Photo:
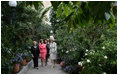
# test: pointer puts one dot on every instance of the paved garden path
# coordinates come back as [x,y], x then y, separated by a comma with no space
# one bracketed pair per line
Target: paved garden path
[46,70]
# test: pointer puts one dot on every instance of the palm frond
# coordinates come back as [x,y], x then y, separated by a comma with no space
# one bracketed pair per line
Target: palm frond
[44,12]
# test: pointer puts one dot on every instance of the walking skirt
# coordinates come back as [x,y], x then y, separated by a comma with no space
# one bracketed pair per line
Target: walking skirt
[43,55]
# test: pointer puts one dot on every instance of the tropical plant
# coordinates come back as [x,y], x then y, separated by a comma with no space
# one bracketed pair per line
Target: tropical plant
[17,38]
[80,13]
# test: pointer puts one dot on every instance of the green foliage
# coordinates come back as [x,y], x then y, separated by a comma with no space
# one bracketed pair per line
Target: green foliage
[94,25]
[17,40]
[56,23]
[103,60]
[36,4]
[81,13]
[59,10]
[55,4]
[29,23]
[6,66]
[72,46]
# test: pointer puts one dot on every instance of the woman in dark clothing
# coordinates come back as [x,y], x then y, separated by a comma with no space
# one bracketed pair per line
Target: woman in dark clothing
[35,53]
[48,50]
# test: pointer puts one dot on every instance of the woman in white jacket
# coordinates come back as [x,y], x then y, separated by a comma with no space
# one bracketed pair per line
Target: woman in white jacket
[53,51]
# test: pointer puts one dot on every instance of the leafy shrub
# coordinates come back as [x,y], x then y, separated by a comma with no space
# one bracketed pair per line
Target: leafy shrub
[103,60]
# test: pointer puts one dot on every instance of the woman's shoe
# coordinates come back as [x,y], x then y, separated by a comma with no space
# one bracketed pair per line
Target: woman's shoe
[52,66]
[37,68]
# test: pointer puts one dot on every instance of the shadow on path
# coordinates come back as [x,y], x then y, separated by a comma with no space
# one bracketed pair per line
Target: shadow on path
[46,70]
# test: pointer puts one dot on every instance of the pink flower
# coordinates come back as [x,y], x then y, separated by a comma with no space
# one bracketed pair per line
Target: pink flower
[62,63]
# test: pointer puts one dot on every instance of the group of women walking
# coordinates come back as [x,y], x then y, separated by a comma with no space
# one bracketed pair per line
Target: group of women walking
[44,49]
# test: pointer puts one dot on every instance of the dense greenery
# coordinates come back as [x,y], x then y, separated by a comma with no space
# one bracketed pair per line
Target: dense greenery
[74,45]
[102,60]
[17,39]
[82,13]
[85,33]
[83,30]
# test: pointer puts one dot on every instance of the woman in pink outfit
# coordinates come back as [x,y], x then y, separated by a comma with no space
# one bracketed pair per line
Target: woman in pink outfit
[43,51]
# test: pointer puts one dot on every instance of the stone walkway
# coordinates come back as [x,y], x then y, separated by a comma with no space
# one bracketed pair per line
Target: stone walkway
[46,70]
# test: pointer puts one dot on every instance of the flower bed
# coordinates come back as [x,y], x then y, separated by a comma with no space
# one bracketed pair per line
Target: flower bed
[102,61]
[13,63]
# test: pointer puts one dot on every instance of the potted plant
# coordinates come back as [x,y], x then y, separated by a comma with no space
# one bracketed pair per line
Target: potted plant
[6,65]
[28,57]
[24,55]
[17,59]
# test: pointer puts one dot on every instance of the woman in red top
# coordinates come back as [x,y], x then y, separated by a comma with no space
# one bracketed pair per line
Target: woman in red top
[43,52]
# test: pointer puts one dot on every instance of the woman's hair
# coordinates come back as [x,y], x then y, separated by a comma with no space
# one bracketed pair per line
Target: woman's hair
[51,38]
[34,42]
[47,40]
[41,40]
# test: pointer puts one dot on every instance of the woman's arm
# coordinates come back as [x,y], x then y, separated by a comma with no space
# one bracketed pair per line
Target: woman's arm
[38,49]
[55,47]
[32,52]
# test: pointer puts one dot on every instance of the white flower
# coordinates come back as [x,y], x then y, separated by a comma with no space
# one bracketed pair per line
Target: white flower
[66,51]
[86,50]
[103,47]
[73,49]
[61,50]
[80,63]
[70,50]
[91,52]
[100,65]
[104,73]
[105,57]
[29,47]
[88,61]
[8,51]
[86,54]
